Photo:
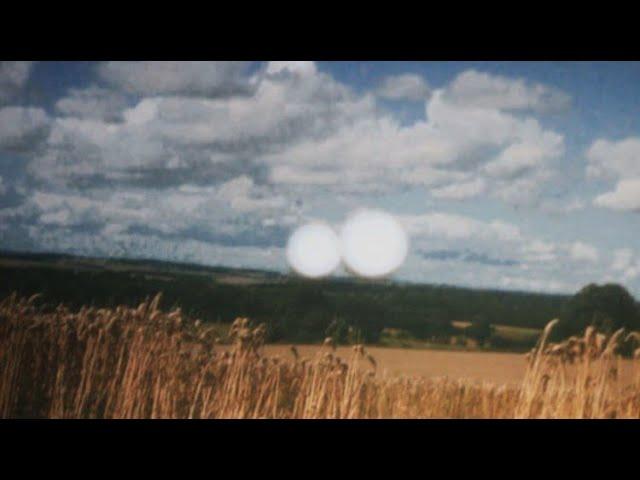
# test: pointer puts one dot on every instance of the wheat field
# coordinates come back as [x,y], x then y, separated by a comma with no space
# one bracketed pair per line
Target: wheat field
[145,363]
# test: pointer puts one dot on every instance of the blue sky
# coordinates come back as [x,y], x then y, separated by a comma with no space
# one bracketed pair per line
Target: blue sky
[514,175]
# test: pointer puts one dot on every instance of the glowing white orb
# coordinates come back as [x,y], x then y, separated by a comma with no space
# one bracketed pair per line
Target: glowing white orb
[373,243]
[313,250]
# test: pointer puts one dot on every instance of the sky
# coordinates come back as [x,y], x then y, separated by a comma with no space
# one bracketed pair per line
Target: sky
[509,175]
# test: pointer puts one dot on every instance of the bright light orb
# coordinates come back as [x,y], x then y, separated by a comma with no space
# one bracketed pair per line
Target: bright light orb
[313,250]
[373,243]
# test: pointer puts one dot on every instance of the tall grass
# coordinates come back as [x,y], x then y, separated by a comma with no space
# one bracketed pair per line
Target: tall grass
[145,363]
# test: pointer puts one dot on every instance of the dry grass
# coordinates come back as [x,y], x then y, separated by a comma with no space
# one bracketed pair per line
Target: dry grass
[145,363]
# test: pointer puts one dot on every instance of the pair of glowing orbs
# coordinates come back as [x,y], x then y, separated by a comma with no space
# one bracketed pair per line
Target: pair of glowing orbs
[371,244]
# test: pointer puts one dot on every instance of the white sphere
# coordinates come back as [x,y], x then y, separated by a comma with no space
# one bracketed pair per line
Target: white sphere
[313,250]
[373,243]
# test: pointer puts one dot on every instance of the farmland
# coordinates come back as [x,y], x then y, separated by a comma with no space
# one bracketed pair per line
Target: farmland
[499,368]
[98,341]
[144,362]
[295,310]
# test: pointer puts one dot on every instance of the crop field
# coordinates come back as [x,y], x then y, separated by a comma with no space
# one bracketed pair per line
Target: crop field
[475,366]
[500,368]
[144,362]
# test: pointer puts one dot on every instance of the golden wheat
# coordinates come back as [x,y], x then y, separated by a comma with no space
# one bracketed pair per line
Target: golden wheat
[145,363]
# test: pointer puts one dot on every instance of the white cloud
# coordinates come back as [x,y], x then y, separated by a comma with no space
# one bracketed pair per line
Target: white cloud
[243,196]
[305,68]
[375,153]
[13,76]
[519,158]
[618,161]
[303,129]
[92,102]
[482,90]
[233,212]
[459,191]
[581,251]
[195,133]
[613,160]
[149,78]
[452,226]
[625,196]
[448,248]
[404,87]
[540,251]
[22,128]
[229,169]
[169,210]
[622,258]
[505,255]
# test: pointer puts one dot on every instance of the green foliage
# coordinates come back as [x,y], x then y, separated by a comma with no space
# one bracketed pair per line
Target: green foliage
[294,309]
[607,307]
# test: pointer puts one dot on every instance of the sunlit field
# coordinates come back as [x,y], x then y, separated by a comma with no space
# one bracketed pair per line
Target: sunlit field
[145,363]
[483,367]
[392,362]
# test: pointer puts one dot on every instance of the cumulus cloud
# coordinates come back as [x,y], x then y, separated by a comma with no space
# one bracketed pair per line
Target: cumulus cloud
[299,129]
[614,159]
[237,216]
[519,158]
[582,251]
[618,161]
[482,90]
[453,146]
[404,87]
[194,135]
[445,245]
[220,161]
[22,129]
[93,103]
[625,196]
[209,79]
[13,76]
[242,195]
[236,205]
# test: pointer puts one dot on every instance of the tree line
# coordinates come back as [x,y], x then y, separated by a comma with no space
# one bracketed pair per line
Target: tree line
[298,310]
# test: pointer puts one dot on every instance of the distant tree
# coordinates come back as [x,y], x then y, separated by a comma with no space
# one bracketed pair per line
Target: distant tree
[480,329]
[440,327]
[607,307]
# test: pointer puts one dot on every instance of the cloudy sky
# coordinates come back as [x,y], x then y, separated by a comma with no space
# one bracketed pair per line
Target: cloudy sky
[510,175]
